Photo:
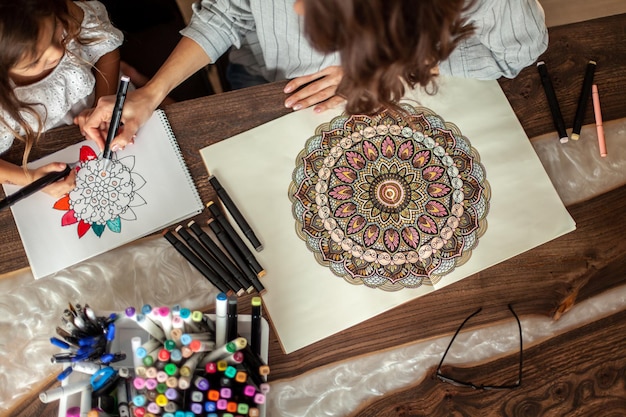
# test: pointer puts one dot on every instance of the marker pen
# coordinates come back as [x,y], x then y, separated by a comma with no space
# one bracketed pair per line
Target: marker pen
[175,335]
[598,117]
[255,325]
[583,100]
[221,352]
[184,382]
[234,211]
[135,343]
[176,356]
[149,326]
[195,261]
[208,259]
[202,345]
[122,398]
[232,234]
[147,347]
[89,368]
[220,256]
[231,318]
[164,316]
[186,338]
[190,364]
[190,326]
[234,359]
[178,323]
[63,391]
[221,332]
[197,317]
[85,401]
[234,253]
[35,186]
[553,103]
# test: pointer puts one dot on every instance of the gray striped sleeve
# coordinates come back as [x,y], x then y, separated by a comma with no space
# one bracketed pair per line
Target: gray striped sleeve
[267,34]
[510,35]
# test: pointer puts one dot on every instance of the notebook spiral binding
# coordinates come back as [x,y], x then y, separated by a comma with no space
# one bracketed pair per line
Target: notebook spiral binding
[179,155]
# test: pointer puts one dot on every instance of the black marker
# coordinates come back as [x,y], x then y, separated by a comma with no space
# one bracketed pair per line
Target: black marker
[235,255]
[234,237]
[205,256]
[195,261]
[557,117]
[116,117]
[35,186]
[219,255]
[234,211]
[231,319]
[583,100]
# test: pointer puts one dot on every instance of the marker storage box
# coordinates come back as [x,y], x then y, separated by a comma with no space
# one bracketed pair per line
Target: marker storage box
[126,329]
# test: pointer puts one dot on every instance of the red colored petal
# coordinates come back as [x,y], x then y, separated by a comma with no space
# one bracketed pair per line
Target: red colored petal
[68,218]
[63,203]
[87,154]
[83,228]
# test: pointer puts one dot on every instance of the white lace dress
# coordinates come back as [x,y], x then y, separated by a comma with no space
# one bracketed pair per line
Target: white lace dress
[69,89]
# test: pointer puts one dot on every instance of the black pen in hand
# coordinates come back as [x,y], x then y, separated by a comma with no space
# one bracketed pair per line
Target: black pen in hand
[35,186]
[116,117]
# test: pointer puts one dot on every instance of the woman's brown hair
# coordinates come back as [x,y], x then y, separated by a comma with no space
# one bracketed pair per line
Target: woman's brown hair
[20,24]
[382,42]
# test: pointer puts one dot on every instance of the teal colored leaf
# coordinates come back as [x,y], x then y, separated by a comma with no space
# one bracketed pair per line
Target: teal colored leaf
[97,229]
[115,225]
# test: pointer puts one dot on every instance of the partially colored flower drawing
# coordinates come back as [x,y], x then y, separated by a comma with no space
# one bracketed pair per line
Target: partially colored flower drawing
[102,198]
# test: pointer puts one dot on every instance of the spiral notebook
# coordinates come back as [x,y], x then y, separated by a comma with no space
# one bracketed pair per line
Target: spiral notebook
[145,188]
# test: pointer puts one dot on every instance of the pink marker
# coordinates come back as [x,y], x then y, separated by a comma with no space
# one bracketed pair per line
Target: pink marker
[598,114]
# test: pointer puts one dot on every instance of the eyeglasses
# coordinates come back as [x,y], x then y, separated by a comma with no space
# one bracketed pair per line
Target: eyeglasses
[456,382]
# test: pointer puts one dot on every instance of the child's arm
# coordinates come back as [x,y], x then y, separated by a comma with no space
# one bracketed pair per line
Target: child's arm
[107,71]
[13,174]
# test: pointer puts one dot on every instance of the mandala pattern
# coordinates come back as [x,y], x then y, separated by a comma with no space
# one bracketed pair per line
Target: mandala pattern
[391,200]
[102,197]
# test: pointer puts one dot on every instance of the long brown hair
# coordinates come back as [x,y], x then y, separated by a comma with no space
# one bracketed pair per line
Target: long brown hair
[20,24]
[382,42]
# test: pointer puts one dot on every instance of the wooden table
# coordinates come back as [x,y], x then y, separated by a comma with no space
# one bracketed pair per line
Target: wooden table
[544,280]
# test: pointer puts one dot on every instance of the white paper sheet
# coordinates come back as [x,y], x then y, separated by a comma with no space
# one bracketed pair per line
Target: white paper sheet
[305,300]
[169,195]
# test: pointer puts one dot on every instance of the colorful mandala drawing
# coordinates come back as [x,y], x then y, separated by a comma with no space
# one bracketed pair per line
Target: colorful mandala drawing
[391,201]
[102,199]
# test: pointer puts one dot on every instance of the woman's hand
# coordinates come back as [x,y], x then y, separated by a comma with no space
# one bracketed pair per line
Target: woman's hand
[321,88]
[94,123]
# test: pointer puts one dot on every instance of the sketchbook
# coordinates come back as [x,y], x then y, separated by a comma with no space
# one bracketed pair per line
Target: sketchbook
[257,167]
[145,188]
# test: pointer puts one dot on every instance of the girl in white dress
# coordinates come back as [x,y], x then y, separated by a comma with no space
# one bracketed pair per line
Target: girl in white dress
[57,57]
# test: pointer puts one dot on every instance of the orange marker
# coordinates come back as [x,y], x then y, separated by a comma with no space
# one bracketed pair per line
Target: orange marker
[598,114]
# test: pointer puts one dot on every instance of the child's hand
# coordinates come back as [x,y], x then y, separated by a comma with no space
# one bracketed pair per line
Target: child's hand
[61,187]
[322,90]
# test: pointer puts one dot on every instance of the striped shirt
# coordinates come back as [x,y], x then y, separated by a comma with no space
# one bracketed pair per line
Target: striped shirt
[268,38]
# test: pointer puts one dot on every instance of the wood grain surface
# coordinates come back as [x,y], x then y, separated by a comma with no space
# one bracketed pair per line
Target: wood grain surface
[580,373]
[582,368]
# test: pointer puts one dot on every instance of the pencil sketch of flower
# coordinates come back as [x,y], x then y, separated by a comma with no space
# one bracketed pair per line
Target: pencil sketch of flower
[102,197]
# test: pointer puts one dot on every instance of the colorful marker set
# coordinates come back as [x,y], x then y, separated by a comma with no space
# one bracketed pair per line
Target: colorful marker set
[185,367]
[234,271]
[177,368]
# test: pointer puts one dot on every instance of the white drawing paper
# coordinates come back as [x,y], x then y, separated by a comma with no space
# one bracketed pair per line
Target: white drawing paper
[146,187]
[305,300]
